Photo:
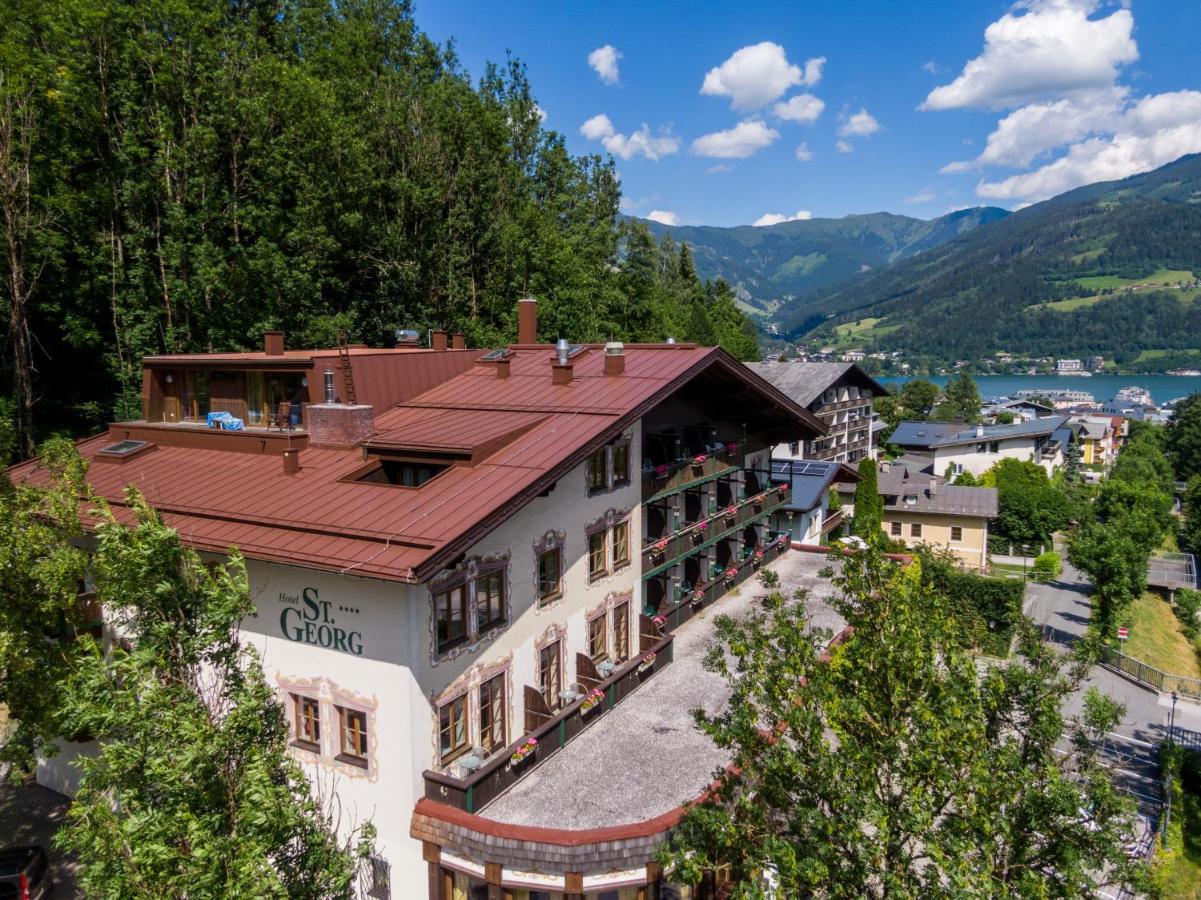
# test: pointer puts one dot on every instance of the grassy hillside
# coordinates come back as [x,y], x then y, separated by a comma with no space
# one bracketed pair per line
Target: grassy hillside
[773,266]
[1108,268]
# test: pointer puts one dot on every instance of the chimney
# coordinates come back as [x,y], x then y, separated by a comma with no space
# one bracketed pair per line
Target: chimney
[527,321]
[291,461]
[438,341]
[979,431]
[457,342]
[341,425]
[330,395]
[615,359]
[560,366]
[502,368]
[273,343]
[933,486]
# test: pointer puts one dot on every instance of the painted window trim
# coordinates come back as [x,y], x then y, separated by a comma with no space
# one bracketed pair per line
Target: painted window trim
[552,540]
[298,698]
[468,573]
[455,753]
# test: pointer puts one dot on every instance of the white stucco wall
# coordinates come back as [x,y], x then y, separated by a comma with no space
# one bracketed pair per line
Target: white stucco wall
[978,463]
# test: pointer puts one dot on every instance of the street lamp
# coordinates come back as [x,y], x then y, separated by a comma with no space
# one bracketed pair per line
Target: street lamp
[1172,719]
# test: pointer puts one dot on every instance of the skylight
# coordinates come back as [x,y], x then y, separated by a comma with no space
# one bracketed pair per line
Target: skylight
[124,449]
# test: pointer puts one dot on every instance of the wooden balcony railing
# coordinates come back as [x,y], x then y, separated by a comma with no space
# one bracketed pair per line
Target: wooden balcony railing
[670,478]
[663,552]
[475,791]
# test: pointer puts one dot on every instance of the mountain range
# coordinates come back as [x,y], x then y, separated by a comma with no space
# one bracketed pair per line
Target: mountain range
[1110,269]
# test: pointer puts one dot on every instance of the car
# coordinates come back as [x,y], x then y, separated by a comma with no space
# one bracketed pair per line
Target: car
[24,873]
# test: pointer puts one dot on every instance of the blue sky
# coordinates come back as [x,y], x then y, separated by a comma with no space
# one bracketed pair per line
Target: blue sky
[756,112]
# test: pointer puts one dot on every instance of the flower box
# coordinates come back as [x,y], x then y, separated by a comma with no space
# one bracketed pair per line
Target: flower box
[661,471]
[594,699]
[648,663]
[758,557]
[524,752]
[731,573]
[731,513]
[660,621]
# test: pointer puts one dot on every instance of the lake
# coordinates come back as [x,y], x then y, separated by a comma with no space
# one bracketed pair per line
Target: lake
[1102,387]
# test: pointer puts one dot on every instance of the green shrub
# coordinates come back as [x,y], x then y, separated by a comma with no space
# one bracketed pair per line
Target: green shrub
[1047,566]
[987,608]
[825,572]
[1187,606]
[769,579]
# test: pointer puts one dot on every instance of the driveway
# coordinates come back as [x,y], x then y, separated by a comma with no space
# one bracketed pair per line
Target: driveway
[31,814]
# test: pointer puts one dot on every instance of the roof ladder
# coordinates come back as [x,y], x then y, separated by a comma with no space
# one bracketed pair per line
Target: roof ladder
[347,371]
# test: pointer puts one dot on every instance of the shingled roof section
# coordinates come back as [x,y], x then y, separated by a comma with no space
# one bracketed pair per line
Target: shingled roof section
[931,494]
[948,434]
[804,382]
[521,434]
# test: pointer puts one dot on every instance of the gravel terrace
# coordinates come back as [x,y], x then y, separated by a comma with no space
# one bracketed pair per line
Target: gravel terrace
[645,756]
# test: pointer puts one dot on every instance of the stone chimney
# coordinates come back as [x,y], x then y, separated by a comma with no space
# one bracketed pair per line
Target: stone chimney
[457,342]
[615,358]
[438,339]
[273,343]
[527,321]
[340,425]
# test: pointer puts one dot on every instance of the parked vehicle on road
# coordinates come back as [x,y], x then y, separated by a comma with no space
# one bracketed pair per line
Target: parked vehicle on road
[24,873]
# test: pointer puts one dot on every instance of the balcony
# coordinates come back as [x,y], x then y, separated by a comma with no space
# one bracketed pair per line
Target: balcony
[840,405]
[666,479]
[498,774]
[832,521]
[665,551]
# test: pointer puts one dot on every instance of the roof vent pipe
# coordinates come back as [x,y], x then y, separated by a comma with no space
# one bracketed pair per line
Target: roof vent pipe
[562,349]
[979,431]
[671,340]
[330,396]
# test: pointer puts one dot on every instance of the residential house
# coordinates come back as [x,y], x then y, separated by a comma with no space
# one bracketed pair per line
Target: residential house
[921,508]
[1097,437]
[840,394]
[453,552]
[807,516]
[955,447]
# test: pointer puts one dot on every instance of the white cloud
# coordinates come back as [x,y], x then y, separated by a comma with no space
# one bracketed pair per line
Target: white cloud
[925,195]
[777,218]
[1153,132]
[663,217]
[719,167]
[1040,49]
[738,142]
[813,71]
[604,62]
[640,143]
[755,76]
[801,108]
[540,113]
[845,147]
[860,124]
[932,67]
[802,152]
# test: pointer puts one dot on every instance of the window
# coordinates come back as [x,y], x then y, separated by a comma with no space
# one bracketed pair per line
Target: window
[896,529]
[352,742]
[598,643]
[794,448]
[596,554]
[619,462]
[492,713]
[308,721]
[450,608]
[549,573]
[915,529]
[621,632]
[994,447]
[550,674]
[910,499]
[404,474]
[621,544]
[490,599]
[956,533]
[596,472]
[452,728]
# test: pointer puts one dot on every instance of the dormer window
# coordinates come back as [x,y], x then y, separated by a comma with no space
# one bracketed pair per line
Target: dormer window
[400,472]
[910,499]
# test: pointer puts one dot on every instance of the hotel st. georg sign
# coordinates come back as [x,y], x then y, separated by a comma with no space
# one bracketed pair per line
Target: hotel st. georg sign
[308,619]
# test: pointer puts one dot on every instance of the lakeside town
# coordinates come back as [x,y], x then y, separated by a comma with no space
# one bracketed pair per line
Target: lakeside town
[477,451]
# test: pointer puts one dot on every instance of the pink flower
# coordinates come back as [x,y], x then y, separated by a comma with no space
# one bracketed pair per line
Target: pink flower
[699,458]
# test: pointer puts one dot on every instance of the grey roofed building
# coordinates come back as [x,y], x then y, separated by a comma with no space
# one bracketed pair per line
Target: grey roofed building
[946,434]
[810,479]
[805,382]
[905,489]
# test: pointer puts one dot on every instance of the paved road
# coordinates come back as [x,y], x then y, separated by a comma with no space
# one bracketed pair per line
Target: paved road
[1064,606]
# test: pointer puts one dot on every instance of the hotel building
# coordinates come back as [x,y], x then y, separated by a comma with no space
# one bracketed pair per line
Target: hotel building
[460,560]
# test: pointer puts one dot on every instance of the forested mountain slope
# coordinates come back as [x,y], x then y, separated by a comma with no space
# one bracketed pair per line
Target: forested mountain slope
[178,177]
[773,266]
[1109,268]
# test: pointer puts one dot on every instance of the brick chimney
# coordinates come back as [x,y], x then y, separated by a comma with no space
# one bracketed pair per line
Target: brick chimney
[438,340]
[273,343]
[615,359]
[527,321]
[502,368]
[291,461]
[457,342]
[341,425]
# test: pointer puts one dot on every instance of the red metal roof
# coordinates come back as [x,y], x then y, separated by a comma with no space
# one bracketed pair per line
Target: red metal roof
[532,432]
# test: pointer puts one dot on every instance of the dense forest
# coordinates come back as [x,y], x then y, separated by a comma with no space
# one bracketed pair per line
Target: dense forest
[1002,286]
[181,176]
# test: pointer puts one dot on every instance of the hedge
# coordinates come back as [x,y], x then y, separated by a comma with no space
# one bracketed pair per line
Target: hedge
[977,600]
